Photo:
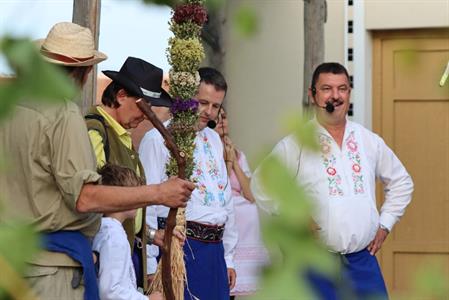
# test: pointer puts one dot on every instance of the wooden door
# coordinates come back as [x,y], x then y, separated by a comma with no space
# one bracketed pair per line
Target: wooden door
[411,112]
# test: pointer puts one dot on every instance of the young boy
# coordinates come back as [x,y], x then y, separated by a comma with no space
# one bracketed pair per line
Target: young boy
[117,278]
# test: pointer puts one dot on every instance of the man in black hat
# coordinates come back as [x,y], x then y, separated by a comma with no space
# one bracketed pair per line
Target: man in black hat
[107,126]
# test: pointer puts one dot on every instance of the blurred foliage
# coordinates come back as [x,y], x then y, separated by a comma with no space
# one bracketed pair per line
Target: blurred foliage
[18,244]
[35,79]
[429,280]
[302,129]
[246,21]
[210,4]
[292,244]
[288,235]
[170,3]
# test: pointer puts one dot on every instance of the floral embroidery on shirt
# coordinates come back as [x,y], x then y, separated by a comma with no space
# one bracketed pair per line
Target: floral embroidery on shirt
[329,162]
[354,157]
[206,170]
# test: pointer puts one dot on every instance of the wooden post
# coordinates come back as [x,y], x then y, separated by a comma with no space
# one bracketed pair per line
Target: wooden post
[87,13]
[315,14]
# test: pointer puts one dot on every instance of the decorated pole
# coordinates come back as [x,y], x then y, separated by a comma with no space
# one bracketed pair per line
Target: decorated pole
[171,219]
[185,54]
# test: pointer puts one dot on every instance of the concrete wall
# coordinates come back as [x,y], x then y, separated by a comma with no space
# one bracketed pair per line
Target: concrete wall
[401,14]
[265,72]
[334,31]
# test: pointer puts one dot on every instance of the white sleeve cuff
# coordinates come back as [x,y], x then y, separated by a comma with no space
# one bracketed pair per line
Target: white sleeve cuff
[229,263]
[387,220]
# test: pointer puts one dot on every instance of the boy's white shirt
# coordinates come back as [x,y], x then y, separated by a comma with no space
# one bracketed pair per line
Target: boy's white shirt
[117,278]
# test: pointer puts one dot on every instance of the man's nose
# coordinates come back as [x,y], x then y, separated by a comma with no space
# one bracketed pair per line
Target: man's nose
[209,110]
[335,93]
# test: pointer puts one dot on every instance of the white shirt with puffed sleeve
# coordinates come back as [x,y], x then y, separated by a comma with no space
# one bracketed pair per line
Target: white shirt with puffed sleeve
[341,183]
[211,202]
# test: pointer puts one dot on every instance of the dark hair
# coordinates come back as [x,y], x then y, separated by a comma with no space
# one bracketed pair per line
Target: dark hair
[330,67]
[119,176]
[109,97]
[212,76]
[78,74]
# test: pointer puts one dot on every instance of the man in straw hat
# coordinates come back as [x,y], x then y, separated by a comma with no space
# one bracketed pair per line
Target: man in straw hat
[107,126]
[54,184]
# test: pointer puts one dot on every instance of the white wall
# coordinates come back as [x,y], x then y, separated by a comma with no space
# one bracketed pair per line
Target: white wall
[400,14]
[265,72]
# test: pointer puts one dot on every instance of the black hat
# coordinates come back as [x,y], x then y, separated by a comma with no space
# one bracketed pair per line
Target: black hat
[143,79]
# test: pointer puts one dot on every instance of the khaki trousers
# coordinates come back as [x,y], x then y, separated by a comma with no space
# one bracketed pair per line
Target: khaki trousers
[54,283]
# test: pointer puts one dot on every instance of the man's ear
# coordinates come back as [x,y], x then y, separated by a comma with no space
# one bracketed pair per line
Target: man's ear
[311,96]
[121,95]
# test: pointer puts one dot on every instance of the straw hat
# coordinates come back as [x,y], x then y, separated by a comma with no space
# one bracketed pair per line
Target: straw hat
[69,44]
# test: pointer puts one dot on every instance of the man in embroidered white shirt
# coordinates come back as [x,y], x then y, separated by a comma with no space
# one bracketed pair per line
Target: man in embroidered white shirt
[211,234]
[341,180]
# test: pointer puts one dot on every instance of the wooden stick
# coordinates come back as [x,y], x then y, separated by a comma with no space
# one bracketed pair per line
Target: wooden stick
[179,156]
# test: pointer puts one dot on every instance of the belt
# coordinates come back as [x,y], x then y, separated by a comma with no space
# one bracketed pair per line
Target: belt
[199,231]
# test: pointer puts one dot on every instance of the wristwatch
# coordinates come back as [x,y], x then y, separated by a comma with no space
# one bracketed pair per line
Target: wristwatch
[151,233]
[384,228]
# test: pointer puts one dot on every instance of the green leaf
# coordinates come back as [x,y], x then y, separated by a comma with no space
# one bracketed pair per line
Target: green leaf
[431,281]
[36,79]
[9,95]
[246,21]
[281,186]
[214,4]
[170,3]
[18,243]
[303,130]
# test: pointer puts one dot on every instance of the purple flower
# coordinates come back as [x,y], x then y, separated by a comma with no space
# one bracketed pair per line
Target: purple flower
[180,105]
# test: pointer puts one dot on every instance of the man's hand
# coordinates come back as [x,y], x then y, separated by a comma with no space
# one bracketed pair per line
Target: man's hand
[231,278]
[150,278]
[175,192]
[156,296]
[159,238]
[160,233]
[379,239]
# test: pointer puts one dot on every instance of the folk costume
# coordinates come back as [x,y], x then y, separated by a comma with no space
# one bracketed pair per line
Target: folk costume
[341,181]
[250,253]
[211,233]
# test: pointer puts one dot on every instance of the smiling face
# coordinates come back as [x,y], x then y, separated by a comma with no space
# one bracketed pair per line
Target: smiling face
[334,89]
[210,100]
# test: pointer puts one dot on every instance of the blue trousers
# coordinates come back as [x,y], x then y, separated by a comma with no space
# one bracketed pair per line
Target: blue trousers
[207,276]
[361,278]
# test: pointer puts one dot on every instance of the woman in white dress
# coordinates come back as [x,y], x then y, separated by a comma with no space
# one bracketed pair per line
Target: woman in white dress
[250,253]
